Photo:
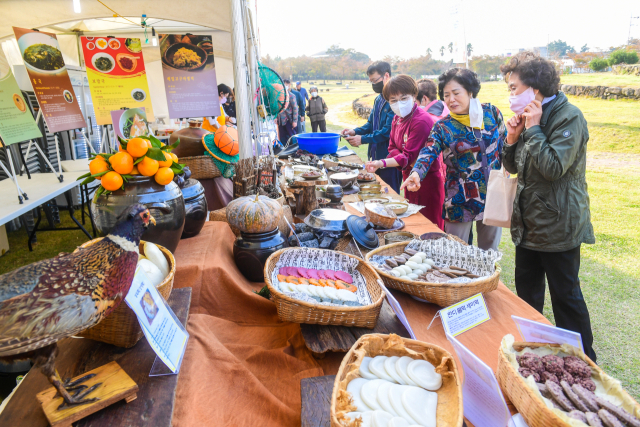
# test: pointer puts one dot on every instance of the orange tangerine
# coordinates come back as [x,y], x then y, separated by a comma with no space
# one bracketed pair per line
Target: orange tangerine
[167,162]
[98,165]
[164,176]
[137,147]
[148,167]
[112,181]
[122,163]
[174,157]
[134,171]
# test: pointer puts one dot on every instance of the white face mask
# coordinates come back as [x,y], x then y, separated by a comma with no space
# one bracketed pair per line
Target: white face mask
[403,107]
[223,100]
[286,87]
[314,94]
[475,113]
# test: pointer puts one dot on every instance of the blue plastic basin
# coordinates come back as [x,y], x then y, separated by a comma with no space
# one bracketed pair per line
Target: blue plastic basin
[319,143]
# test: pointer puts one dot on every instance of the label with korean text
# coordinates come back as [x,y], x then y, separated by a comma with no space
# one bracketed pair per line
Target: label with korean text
[467,314]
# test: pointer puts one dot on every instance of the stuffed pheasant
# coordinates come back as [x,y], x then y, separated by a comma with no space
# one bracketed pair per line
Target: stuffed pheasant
[46,301]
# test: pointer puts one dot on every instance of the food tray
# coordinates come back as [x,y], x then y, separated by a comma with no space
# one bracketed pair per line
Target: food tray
[449,410]
[530,403]
[298,311]
[442,294]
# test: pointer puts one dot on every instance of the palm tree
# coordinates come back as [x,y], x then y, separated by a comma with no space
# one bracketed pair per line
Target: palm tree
[469,49]
[442,51]
[450,47]
[429,52]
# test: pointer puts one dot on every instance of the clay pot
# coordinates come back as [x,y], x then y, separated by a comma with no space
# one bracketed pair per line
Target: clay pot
[190,140]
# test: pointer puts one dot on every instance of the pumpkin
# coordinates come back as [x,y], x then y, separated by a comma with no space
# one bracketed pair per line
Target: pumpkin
[254,214]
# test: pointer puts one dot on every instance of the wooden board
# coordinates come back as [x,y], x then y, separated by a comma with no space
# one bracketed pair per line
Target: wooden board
[115,385]
[322,338]
[156,395]
[315,394]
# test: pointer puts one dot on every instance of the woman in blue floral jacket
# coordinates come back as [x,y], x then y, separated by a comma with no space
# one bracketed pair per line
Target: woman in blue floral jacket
[470,139]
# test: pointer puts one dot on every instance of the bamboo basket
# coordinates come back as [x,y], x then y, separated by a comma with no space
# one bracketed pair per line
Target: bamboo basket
[202,167]
[442,294]
[121,327]
[345,244]
[297,311]
[449,410]
[533,409]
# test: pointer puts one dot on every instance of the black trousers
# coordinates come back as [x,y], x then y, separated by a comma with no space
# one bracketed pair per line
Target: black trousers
[321,123]
[561,270]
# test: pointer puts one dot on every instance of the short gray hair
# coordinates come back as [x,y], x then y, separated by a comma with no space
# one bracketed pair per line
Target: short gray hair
[312,88]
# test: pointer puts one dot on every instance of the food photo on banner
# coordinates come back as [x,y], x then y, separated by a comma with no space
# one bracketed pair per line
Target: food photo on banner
[16,121]
[130,123]
[117,75]
[50,79]
[189,71]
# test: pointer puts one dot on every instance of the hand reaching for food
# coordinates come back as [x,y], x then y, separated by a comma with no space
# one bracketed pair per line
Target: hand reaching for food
[412,183]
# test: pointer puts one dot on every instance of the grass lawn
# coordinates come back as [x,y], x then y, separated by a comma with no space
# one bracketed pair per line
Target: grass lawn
[601,79]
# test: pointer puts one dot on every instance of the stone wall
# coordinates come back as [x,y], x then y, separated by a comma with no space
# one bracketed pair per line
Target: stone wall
[603,92]
[360,109]
[634,69]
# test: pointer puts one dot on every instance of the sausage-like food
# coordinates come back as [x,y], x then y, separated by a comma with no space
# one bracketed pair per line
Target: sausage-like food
[593,419]
[577,415]
[391,262]
[608,419]
[620,413]
[410,251]
[573,397]
[587,397]
[544,390]
[559,397]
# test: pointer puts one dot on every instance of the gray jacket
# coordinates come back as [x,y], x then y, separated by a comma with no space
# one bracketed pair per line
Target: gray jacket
[316,109]
[551,208]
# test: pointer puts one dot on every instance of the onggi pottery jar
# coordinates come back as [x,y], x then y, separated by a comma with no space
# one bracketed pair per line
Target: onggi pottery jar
[165,202]
[195,205]
[251,250]
[190,140]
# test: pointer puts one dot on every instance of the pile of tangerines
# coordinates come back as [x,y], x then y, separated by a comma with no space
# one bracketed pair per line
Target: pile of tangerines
[133,158]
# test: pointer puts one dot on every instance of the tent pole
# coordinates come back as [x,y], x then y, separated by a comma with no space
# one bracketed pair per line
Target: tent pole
[241,79]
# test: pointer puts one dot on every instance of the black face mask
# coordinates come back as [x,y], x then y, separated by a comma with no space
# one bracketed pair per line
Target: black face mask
[377,87]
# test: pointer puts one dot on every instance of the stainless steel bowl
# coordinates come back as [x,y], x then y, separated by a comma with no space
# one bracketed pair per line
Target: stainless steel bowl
[328,219]
[344,179]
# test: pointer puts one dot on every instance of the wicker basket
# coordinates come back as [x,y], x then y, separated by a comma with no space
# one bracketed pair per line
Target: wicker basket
[296,311]
[442,294]
[121,327]
[449,410]
[533,409]
[202,167]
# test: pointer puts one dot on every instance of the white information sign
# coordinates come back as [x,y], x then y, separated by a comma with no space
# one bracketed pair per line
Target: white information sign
[532,331]
[484,404]
[467,314]
[397,309]
[164,332]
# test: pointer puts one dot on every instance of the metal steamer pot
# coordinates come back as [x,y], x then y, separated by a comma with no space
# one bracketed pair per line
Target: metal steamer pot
[165,202]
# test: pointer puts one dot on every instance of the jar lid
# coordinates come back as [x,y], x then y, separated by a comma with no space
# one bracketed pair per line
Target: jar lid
[192,189]
[363,232]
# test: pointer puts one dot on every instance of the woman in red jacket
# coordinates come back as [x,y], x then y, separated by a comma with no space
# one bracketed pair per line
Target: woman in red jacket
[409,132]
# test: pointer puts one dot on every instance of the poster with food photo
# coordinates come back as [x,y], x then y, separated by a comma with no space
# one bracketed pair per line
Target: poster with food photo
[50,79]
[130,123]
[117,76]
[16,121]
[189,71]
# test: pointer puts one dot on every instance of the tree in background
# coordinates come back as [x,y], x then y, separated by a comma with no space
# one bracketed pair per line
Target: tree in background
[429,52]
[420,66]
[450,47]
[623,57]
[598,64]
[584,48]
[469,50]
[560,48]
[487,66]
[582,60]
[441,50]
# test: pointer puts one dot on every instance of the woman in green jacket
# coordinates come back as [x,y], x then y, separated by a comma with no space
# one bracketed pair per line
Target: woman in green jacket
[547,147]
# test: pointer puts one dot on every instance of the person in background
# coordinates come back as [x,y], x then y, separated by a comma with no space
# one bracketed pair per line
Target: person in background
[378,127]
[547,147]
[212,123]
[470,139]
[300,101]
[409,132]
[303,106]
[288,118]
[316,109]
[230,105]
[428,99]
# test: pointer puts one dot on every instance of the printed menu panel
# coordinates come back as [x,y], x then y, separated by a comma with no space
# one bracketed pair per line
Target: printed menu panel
[16,122]
[189,71]
[117,76]
[130,123]
[50,80]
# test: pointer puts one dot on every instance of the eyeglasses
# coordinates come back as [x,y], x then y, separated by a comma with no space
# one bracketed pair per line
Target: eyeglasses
[376,81]
[403,99]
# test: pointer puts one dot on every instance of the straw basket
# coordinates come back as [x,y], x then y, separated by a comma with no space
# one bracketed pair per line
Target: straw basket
[449,410]
[202,167]
[529,404]
[442,294]
[297,311]
[121,327]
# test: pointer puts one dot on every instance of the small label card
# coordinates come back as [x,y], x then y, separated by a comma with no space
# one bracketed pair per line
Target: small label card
[467,314]
[397,309]
[532,331]
[484,404]
[164,332]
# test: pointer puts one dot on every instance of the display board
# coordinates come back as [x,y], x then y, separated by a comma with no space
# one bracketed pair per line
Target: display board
[117,76]
[130,123]
[50,79]
[189,71]
[16,121]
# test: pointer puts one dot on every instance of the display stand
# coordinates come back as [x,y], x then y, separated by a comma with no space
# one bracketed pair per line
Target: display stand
[46,159]
[114,385]
[22,196]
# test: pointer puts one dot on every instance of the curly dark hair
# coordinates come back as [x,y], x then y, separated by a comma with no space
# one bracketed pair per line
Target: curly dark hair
[533,71]
[467,78]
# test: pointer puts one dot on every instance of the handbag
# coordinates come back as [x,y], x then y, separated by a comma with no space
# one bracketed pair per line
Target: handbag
[501,192]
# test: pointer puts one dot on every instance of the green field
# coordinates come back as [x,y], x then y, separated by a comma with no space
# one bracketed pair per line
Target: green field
[610,272]
[601,79]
